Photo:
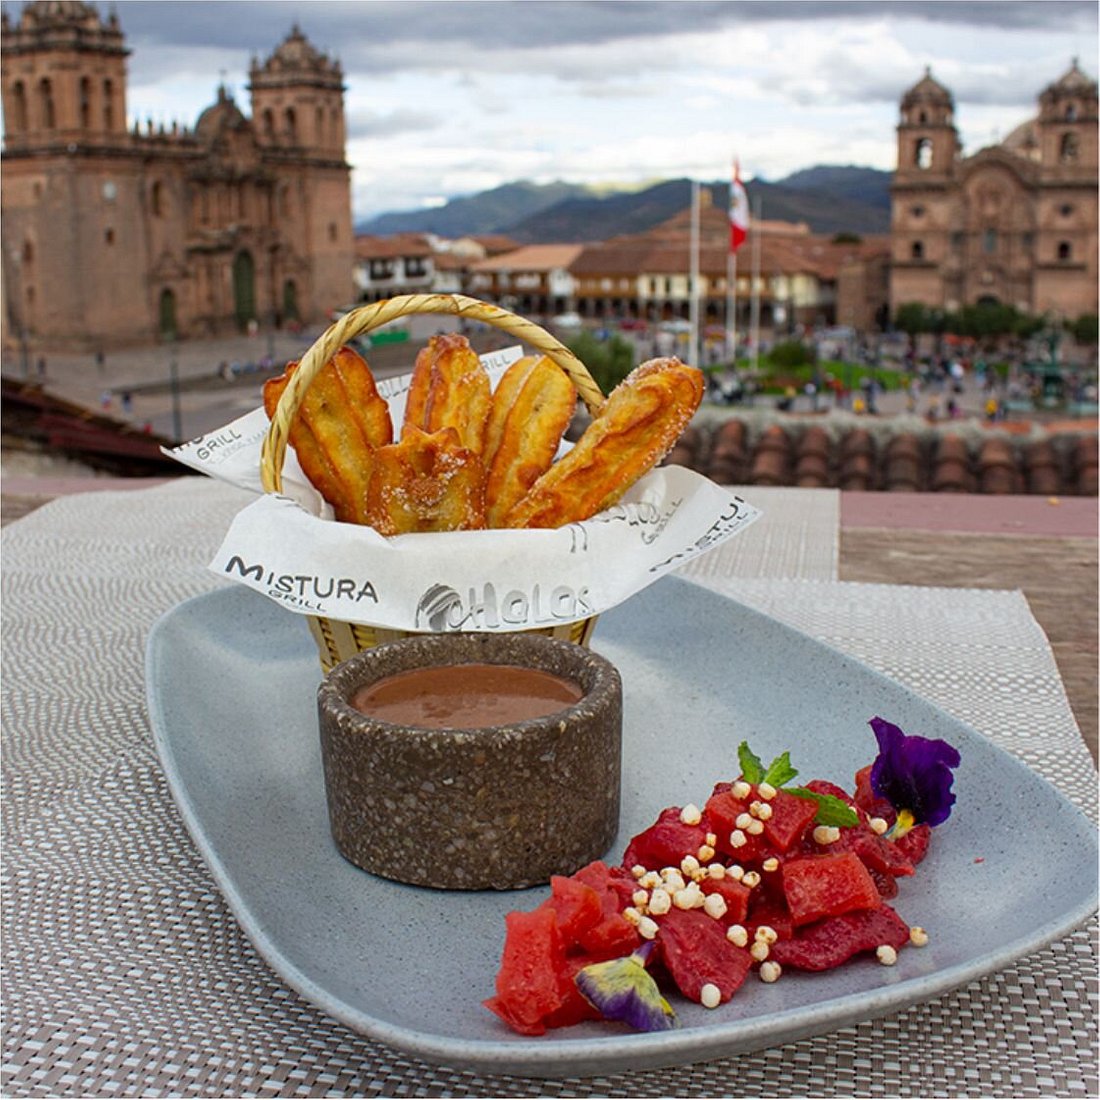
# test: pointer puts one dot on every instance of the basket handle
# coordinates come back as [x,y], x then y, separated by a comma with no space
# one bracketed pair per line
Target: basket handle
[365,318]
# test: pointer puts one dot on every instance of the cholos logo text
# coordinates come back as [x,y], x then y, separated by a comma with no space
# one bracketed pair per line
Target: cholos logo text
[441,608]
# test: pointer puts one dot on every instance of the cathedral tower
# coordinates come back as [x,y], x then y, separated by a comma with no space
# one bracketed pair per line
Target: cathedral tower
[64,78]
[1067,126]
[928,144]
[297,98]
[928,154]
[1066,208]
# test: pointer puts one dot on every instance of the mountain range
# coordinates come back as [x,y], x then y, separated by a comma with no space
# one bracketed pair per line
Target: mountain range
[831,199]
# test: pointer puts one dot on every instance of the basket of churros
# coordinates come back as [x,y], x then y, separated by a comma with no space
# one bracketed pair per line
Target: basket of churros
[447,499]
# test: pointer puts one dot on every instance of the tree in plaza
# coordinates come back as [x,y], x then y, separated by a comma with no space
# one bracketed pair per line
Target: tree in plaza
[1084,329]
[608,361]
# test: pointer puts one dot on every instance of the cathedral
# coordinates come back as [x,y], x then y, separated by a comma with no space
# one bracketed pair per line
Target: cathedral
[1015,223]
[116,236]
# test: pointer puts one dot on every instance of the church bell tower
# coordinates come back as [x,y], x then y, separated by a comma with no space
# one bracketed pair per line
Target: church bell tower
[64,78]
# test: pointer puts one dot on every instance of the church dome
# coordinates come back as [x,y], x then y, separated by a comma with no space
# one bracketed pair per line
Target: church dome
[928,92]
[1071,97]
[221,116]
[1074,82]
[53,12]
[296,54]
[65,24]
[1023,138]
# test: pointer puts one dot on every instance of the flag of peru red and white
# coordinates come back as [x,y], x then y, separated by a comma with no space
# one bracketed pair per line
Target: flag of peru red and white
[739,211]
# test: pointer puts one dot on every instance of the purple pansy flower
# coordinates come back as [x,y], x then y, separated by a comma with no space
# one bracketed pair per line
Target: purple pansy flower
[623,989]
[913,773]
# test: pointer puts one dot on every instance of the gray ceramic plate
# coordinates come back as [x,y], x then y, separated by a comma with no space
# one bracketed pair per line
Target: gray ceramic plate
[231,680]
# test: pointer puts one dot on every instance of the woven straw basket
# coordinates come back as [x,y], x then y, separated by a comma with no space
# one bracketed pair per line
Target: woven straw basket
[337,641]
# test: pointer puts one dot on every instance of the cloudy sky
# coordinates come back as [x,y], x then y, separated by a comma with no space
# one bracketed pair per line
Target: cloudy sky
[450,98]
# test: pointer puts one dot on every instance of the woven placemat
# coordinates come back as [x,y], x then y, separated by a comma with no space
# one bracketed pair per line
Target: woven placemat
[126,975]
[796,538]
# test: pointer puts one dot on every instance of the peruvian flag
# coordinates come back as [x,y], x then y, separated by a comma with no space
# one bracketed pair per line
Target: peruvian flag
[739,210]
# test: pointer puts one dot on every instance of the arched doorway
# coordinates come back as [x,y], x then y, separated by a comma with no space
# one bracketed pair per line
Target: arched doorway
[244,289]
[290,301]
[167,311]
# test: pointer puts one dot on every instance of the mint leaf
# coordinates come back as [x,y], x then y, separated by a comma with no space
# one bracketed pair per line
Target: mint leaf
[780,771]
[752,768]
[830,809]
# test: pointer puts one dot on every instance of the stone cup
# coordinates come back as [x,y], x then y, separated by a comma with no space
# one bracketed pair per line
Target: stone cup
[500,807]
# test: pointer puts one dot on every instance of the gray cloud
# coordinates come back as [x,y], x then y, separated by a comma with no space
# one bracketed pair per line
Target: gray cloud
[372,124]
[360,32]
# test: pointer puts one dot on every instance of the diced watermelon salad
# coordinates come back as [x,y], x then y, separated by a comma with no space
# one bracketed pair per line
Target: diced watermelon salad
[765,877]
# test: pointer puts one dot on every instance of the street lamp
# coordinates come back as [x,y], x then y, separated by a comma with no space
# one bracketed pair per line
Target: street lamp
[174,388]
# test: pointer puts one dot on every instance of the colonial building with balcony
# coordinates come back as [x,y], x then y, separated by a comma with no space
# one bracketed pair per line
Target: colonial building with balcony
[1015,223]
[404,263]
[534,280]
[791,273]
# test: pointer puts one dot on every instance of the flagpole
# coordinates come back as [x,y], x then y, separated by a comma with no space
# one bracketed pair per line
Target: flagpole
[755,314]
[731,306]
[693,353]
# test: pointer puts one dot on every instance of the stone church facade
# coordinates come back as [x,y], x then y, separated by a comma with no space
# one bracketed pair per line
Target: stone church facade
[1015,223]
[114,236]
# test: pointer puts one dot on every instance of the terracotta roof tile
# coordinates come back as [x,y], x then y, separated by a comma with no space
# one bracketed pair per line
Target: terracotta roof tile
[997,470]
[814,454]
[393,246]
[532,257]
[1085,460]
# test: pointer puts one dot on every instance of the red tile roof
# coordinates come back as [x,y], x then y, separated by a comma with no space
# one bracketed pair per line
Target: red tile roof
[393,246]
[532,257]
[811,454]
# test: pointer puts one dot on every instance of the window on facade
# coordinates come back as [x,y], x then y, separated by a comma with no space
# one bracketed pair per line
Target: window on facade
[922,153]
[957,241]
[1068,148]
[108,105]
[917,211]
[1065,250]
[19,107]
[291,120]
[1071,112]
[922,117]
[415,266]
[45,103]
[319,126]
[28,252]
[917,251]
[668,286]
[167,312]
[109,237]
[156,199]
[1027,241]
[268,123]
[989,241]
[85,103]
[1065,209]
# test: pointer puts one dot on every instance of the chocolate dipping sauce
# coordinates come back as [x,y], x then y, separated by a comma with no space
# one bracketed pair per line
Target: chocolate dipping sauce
[466,696]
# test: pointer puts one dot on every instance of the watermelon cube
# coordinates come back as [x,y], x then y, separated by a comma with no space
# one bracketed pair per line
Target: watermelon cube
[826,886]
